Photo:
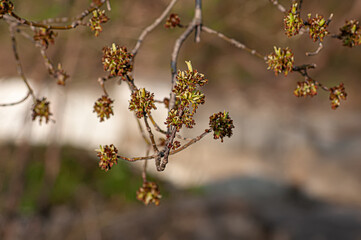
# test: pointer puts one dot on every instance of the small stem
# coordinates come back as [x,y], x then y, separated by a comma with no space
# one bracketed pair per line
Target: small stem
[152,26]
[320,47]
[17,102]
[194,140]
[278,5]
[74,24]
[234,42]
[18,64]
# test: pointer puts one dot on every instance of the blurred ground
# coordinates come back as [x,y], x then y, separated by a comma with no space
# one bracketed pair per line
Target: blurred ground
[291,171]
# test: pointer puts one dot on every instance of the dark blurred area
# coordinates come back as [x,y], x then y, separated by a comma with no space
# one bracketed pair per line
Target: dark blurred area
[292,169]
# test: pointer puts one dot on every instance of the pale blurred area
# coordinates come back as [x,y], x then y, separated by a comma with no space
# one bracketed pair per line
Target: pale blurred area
[292,169]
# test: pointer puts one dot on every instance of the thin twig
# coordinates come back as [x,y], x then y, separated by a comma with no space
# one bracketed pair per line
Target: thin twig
[142,131]
[278,5]
[18,64]
[320,47]
[17,102]
[198,19]
[74,24]
[157,128]
[185,146]
[234,42]
[152,26]
[194,140]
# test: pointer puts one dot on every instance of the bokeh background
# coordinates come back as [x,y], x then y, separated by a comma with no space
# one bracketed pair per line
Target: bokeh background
[292,169]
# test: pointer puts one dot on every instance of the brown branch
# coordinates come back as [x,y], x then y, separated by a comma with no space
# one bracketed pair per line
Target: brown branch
[234,42]
[74,24]
[17,102]
[194,140]
[18,64]
[157,128]
[152,26]
[178,44]
[185,146]
[320,47]
[142,131]
[278,5]
[198,18]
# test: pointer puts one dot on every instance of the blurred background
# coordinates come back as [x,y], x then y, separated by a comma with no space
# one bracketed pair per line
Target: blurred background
[292,169]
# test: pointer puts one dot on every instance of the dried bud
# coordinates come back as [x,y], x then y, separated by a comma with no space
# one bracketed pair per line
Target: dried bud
[60,75]
[6,7]
[98,18]
[350,33]
[281,61]
[317,27]
[45,36]
[221,125]
[172,21]
[108,156]
[103,107]
[306,88]
[41,110]
[142,102]
[117,61]
[149,193]
[336,94]
[292,21]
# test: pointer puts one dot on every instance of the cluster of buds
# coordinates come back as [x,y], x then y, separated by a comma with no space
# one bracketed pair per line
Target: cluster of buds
[178,118]
[350,33]
[60,75]
[6,7]
[172,21]
[221,125]
[336,94]
[97,19]
[317,27]
[187,97]
[306,88]
[41,109]
[44,37]
[117,61]
[149,193]
[108,156]
[292,21]
[103,107]
[142,102]
[281,60]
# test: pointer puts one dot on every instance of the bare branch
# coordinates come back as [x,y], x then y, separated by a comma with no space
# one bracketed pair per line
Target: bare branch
[320,47]
[15,103]
[234,42]
[152,26]
[278,5]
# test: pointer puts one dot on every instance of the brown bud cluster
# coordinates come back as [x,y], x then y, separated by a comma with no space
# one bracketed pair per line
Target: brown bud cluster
[97,19]
[60,75]
[6,7]
[142,102]
[188,97]
[172,21]
[337,94]
[117,61]
[108,156]
[350,33]
[45,36]
[306,88]
[41,109]
[221,125]
[149,193]
[281,61]
[317,27]
[292,21]
[103,107]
